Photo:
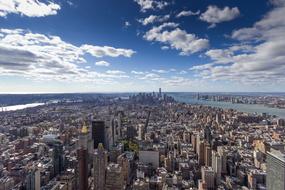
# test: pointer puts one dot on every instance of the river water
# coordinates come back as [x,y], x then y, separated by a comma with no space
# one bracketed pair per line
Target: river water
[249,108]
[20,107]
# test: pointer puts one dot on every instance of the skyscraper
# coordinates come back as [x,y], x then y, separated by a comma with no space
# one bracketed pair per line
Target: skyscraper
[99,167]
[98,133]
[58,165]
[208,177]
[159,93]
[275,179]
[83,159]
[114,177]
[33,181]
[217,166]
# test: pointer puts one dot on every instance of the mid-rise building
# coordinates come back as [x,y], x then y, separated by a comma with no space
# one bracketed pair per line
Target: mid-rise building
[275,179]
[114,177]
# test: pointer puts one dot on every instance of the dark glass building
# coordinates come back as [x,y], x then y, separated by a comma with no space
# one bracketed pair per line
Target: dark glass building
[58,165]
[98,133]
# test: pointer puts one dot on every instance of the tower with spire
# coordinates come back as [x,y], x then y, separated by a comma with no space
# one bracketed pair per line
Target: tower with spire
[82,153]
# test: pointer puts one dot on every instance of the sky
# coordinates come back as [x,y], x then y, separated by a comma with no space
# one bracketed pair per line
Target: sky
[55,46]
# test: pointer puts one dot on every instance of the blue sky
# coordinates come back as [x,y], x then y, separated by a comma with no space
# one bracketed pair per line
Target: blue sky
[141,45]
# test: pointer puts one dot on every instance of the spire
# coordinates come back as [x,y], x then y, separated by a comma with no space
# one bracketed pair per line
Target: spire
[100,147]
[84,129]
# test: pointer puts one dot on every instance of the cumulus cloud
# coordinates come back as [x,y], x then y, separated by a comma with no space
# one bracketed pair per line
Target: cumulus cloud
[178,81]
[115,72]
[170,34]
[138,72]
[215,15]
[101,51]
[161,71]
[187,13]
[153,18]
[127,24]
[30,8]
[260,61]
[102,63]
[39,56]
[151,4]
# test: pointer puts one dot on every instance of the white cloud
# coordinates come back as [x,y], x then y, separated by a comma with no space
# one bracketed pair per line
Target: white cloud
[101,51]
[183,72]
[177,81]
[153,18]
[187,13]
[102,63]
[38,56]
[176,38]
[115,72]
[151,76]
[127,24]
[164,47]
[260,61]
[215,15]
[30,8]
[151,4]
[138,72]
[161,71]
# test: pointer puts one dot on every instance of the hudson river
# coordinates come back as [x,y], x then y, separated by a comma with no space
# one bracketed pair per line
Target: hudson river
[249,108]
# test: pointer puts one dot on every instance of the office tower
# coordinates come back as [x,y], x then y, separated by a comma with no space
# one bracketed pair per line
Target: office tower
[275,179]
[83,159]
[159,93]
[98,133]
[217,166]
[194,142]
[33,180]
[218,118]
[208,155]
[58,165]
[99,167]
[169,162]
[208,134]
[124,162]
[208,177]
[223,153]
[114,177]
[131,132]
[281,122]
[200,151]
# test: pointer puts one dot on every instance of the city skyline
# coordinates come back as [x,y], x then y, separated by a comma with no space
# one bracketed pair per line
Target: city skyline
[66,46]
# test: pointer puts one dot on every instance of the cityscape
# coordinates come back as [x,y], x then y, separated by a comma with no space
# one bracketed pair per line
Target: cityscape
[142,95]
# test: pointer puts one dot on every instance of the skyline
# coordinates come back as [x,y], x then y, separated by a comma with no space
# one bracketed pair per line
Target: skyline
[141,45]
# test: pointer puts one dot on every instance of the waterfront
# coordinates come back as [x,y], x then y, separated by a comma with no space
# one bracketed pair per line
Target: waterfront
[249,108]
[20,107]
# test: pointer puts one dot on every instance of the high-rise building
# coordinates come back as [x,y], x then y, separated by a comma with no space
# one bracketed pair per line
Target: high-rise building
[58,165]
[33,180]
[208,177]
[208,134]
[281,122]
[208,155]
[159,93]
[123,161]
[218,118]
[83,159]
[114,177]
[200,151]
[217,166]
[275,179]
[99,167]
[98,133]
